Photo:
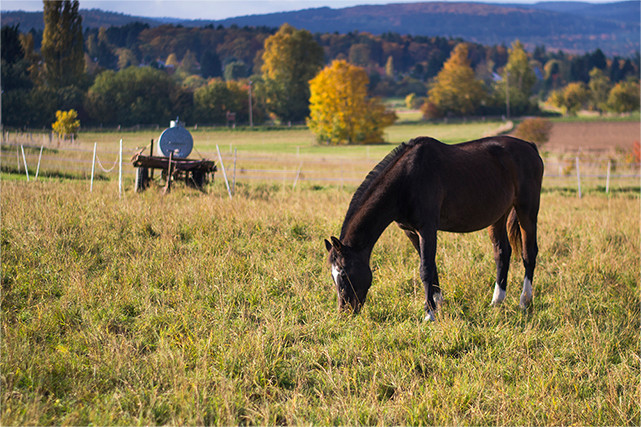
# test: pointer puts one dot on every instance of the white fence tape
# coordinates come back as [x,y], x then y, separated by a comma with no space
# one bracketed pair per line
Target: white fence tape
[293,169]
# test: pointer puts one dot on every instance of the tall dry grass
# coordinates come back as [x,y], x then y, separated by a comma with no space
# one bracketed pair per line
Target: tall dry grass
[192,308]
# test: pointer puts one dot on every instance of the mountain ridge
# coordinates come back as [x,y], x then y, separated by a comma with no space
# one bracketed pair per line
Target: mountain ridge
[567,26]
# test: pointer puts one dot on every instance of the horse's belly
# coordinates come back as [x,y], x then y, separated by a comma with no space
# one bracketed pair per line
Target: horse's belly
[472,215]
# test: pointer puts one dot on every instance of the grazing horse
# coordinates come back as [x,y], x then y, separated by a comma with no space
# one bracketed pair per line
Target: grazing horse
[425,186]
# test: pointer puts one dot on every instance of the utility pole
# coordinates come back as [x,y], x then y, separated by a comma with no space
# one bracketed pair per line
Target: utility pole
[507,93]
[251,119]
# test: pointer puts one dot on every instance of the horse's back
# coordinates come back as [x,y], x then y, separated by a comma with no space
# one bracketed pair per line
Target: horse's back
[475,183]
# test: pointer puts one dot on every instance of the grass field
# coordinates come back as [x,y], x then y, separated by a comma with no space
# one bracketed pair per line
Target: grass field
[192,308]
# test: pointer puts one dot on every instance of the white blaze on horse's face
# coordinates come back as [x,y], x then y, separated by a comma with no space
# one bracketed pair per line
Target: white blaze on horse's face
[335,273]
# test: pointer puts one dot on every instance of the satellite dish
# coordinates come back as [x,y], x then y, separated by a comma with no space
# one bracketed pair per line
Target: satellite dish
[177,140]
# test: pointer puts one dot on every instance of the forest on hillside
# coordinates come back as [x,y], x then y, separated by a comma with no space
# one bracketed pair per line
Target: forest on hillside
[179,61]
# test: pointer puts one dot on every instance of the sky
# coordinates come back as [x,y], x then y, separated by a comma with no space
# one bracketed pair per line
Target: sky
[211,9]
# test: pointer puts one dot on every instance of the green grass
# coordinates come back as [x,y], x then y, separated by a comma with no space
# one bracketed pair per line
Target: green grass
[297,140]
[192,308]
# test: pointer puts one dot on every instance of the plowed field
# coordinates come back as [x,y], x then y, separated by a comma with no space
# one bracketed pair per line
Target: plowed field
[593,135]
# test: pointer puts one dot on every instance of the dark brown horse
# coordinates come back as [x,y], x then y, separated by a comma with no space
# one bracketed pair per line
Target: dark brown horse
[426,186]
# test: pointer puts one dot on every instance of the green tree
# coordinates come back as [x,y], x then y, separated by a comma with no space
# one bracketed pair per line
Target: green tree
[214,100]
[210,65]
[235,70]
[599,89]
[360,54]
[15,78]
[456,89]
[341,112]
[126,58]
[291,58]
[62,43]
[519,77]
[101,51]
[135,95]
[624,97]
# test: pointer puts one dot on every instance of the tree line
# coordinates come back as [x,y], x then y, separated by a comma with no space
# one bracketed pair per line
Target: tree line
[135,74]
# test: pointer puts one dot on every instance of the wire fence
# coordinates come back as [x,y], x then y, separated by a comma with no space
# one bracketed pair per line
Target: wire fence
[579,170]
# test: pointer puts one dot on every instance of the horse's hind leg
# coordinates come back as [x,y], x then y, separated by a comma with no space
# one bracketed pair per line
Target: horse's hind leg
[427,251]
[502,252]
[527,223]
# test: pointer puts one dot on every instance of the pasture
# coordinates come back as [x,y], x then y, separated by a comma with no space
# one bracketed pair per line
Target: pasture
[191,308]
[194,308]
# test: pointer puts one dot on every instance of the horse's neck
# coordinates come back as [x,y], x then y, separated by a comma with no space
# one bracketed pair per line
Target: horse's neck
[366,226]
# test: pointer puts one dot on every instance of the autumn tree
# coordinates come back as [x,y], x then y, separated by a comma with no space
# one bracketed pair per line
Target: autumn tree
[62,43]
[341,112]
[66,123]
[291,58]
[571,99]
[456,89]
[624,97]
[536,129]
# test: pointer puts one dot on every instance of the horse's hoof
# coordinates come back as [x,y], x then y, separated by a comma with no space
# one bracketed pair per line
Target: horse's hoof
[525,301]
[438,299]
[430,317]
[526,295]
[498,296]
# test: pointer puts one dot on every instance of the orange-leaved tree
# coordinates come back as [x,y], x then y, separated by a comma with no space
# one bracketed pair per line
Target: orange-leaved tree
[341,111]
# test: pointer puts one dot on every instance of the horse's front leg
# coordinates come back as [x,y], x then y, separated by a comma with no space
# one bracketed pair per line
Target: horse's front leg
[429,276]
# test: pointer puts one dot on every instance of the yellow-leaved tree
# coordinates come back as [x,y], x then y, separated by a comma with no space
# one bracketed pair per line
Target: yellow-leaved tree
[456,89]
[341,111]
[66,123]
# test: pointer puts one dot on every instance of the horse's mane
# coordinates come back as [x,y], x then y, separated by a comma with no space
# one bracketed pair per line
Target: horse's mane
[366,186]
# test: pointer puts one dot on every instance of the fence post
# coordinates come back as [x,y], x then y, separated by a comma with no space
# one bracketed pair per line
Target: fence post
[93,167]
[38,168]
[607,178]
[222,166]
[300,168]
[233,183]
[24,159]
[120,172]
[578,175]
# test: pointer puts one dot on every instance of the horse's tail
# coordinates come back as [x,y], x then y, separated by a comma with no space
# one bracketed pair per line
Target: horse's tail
[514,233]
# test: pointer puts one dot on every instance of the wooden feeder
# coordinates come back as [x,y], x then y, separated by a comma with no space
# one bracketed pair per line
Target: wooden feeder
[175,144]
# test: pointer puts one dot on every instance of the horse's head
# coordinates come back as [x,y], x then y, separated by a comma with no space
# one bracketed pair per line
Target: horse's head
[351,273]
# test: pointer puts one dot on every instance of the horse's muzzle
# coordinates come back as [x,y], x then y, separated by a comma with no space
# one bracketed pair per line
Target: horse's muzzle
[346,305]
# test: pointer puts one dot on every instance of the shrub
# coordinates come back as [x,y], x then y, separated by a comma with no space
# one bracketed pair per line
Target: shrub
[535,129]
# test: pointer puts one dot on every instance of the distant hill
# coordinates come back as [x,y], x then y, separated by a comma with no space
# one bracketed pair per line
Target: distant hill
[569,26]
[91,18]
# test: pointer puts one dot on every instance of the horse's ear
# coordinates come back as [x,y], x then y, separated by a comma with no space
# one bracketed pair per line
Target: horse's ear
[337,244]
[328,245]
